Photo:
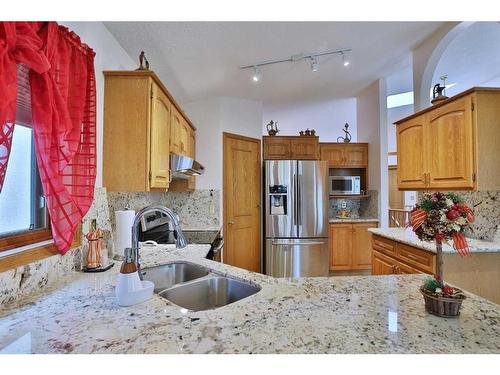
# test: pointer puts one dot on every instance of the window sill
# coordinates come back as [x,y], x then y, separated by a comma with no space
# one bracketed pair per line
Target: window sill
[13,258]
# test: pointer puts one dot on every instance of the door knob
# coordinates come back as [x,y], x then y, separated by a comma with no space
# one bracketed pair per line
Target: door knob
[230,222]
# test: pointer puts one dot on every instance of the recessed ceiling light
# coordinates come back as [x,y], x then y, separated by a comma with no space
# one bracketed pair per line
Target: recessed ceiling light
[256,74]
[314,64]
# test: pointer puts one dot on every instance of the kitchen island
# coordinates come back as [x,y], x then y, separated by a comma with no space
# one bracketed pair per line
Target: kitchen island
[372,314]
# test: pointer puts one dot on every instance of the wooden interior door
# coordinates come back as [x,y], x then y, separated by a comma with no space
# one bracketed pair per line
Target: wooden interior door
[412,153]
[396,196]
[340,247]
[160,142]
[451,147]
[242,195]
[362,246]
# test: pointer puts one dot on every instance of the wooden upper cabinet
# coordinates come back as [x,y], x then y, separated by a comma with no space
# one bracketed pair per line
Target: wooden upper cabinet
[139,115]
[333,153]
[412,163]
[175,131]
[277,148]
[304,148]
[345,155]
[160,140]
[451,146]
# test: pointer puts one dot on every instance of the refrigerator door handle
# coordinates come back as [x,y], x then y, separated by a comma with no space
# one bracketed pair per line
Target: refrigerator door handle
[275,243]
[299,200]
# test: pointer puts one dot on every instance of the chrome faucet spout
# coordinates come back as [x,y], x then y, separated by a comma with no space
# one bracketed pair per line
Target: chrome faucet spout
[180,240]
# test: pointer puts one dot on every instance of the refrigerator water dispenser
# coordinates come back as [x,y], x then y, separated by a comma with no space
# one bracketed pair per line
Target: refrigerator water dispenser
[277,199]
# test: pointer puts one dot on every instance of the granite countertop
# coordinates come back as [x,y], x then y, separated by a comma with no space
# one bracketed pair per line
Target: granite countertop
[353,220]
[369,314]
[408,237]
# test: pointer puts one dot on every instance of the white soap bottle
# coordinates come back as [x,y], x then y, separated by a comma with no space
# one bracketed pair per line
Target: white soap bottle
[130,290]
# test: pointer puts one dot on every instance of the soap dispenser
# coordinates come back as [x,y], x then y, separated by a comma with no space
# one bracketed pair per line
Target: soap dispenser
[130,290]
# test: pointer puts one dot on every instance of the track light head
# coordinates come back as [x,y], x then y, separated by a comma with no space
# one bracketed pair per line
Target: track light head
[256,74]
[314,64]
[344,59]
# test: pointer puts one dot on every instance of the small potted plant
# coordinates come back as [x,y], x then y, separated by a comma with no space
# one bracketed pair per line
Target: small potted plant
[442,217]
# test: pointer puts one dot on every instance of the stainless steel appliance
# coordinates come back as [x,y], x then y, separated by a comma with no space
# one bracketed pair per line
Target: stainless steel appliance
[184,167]
[296,218]
[344,185]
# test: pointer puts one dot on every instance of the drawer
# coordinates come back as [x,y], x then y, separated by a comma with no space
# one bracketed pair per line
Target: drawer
[422,259]
[384,246]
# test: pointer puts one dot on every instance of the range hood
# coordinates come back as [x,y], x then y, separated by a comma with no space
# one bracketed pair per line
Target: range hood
[184,166]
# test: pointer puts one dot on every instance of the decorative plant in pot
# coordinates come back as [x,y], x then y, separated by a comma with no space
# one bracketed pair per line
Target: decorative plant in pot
[442,217]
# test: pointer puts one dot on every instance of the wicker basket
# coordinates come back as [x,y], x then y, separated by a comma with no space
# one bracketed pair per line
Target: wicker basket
[442,306]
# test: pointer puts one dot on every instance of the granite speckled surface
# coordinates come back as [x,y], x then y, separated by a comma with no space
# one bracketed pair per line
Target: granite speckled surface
[366,207]
[408,237]
[375,314]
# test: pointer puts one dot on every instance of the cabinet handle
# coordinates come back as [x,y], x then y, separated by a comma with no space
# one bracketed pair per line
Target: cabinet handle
[230,222]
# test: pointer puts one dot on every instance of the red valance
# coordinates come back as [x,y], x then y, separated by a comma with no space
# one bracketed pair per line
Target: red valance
[63,105]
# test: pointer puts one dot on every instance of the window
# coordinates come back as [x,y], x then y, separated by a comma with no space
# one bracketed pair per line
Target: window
[22,205]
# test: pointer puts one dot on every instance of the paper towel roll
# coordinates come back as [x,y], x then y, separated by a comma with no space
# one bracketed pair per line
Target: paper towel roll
[123,236]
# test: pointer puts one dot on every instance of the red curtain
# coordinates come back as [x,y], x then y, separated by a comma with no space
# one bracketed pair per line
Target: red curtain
[62,81]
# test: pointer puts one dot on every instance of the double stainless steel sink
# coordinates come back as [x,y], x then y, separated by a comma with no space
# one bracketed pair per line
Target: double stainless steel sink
[195,288]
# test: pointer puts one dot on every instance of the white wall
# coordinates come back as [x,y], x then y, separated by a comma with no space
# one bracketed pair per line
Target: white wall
[212,117]
[109,56]
[326,117]
[372,120]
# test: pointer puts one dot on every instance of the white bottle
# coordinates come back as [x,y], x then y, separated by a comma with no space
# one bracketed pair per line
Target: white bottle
[130,290]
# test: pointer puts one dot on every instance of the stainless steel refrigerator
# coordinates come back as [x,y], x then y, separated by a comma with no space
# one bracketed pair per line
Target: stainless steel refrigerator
[296,218]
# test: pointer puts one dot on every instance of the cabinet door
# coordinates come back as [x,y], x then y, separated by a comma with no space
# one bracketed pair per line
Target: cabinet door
[277,148]
[184,137]
[340,246]
[451,145]
[382,265]
[405,269]
[305,148]
[412,154]
[160,140]
[355,155]
[175,131]
[333,154]
[362,246]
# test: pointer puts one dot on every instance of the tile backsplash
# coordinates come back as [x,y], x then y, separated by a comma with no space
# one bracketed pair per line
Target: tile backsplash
[364,208]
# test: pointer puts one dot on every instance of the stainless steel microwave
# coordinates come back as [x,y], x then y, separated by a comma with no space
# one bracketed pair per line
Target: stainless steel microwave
[344,185]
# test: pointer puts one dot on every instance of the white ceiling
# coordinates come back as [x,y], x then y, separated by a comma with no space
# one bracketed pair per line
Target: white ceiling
[198,60]
[472,58]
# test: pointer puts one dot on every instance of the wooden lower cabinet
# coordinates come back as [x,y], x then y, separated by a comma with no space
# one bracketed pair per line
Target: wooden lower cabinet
[350,246]
[392,258]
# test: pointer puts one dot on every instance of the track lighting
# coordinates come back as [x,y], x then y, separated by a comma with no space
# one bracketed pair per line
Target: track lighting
[256,74]
[313,57]
[314,64]
[344,59]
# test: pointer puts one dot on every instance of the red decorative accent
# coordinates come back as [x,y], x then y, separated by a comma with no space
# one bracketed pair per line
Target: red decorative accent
[417,218]
[460,244]
[63,98]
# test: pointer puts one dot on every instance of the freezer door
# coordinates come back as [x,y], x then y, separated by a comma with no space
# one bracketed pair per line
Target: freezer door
[279,198]
[297,258]
[312,199]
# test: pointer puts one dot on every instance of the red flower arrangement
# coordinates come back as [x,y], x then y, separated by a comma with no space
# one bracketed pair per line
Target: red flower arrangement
[442,217]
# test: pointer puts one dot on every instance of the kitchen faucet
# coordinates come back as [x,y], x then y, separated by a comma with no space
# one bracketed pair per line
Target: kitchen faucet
[180,240]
